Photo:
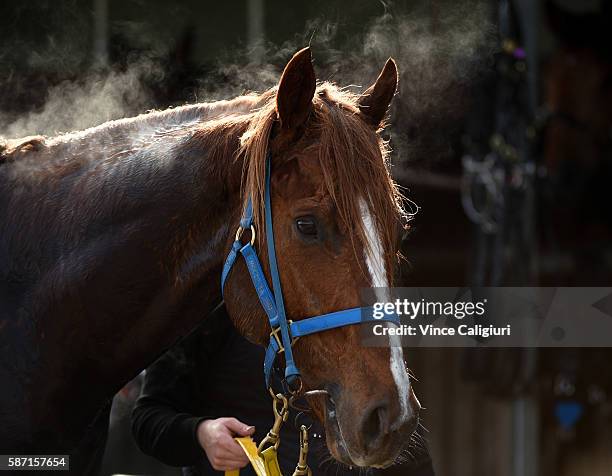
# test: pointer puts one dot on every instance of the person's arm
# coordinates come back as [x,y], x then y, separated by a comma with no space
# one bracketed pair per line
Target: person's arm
[165,421]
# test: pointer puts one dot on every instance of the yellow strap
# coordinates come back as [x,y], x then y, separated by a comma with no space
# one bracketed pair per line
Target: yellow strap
[268,466]
[270,460]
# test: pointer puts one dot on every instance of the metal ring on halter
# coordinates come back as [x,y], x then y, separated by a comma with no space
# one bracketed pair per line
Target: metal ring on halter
[298,406]
[295,388]
[296,421]
[240,231]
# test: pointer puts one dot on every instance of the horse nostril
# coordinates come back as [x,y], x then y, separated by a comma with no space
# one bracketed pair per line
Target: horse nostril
[375,426]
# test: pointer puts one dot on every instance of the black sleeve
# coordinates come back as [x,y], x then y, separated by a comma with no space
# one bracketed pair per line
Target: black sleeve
[165,417]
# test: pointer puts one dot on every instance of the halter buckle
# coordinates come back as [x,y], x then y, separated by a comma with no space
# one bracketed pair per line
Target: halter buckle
[279,341]
[275,335]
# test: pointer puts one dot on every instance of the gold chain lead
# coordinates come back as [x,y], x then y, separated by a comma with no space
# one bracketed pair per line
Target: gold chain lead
[280,405]
[302,468]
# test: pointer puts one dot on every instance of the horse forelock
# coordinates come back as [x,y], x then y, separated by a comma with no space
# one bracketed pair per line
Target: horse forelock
[354,163]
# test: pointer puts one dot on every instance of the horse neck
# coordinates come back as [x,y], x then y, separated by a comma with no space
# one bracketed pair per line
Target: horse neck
[143,238]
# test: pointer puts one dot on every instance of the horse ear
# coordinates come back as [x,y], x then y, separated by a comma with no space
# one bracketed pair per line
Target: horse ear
[296,90]
[374,102]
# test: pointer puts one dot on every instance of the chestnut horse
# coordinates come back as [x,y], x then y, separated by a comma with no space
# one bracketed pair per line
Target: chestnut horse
[112,242]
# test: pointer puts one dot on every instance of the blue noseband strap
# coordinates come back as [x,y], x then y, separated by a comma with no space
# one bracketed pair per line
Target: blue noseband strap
[273,303]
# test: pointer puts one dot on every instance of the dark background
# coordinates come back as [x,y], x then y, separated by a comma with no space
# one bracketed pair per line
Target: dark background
[502,136]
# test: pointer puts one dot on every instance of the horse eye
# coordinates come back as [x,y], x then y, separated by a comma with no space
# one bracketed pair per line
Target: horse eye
[306,226]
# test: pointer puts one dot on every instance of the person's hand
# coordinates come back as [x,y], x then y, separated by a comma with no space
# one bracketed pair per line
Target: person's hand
[216,437]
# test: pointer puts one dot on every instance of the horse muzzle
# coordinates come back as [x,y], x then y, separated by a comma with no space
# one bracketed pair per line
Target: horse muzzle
[373,436]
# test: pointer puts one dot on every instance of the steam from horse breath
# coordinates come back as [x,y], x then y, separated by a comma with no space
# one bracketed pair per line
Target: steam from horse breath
[437,56]
[96,98]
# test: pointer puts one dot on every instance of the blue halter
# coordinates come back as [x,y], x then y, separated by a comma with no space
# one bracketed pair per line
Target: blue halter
[273,302]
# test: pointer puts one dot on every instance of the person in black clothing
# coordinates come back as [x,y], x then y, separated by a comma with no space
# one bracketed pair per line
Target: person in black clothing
[208,389]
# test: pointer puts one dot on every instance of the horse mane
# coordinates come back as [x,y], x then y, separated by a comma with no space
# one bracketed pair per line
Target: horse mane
[115,135]
[353,161]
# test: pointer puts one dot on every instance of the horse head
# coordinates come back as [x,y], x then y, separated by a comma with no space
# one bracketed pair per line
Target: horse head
[336,214]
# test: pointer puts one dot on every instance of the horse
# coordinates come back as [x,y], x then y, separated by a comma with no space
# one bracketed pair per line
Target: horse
[112,242]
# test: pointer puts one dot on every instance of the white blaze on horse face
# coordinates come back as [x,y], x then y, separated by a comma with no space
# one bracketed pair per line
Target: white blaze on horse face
[375,260]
